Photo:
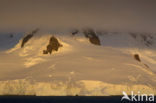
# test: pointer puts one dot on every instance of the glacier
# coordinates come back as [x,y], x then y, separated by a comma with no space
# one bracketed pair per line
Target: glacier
[79,67]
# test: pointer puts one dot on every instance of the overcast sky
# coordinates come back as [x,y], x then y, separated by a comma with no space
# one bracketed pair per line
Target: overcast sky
[131,15]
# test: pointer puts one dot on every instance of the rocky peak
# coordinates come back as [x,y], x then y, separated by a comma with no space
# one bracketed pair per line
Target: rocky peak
[28,37]
[52,46]
[93,38]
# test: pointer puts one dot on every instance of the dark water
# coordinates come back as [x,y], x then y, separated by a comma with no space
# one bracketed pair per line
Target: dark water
[64,99]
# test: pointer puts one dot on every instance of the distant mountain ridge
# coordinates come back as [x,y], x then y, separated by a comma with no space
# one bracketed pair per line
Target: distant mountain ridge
[82,62]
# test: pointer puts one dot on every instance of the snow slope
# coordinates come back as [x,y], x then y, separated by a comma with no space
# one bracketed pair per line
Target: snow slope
[79,67]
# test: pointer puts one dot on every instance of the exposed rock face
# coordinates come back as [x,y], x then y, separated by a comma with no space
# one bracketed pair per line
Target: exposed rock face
[53,45]
[93,38]
[74,32]
[28,37]
[136,57]
[145,38]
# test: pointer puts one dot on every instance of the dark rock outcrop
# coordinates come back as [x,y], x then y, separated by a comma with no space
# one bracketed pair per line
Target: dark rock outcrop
[93,38]
[145,38]
[52,46]
[28,37]
[136,57]
[74,32]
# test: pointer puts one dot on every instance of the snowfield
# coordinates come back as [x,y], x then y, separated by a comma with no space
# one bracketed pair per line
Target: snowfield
[78,67]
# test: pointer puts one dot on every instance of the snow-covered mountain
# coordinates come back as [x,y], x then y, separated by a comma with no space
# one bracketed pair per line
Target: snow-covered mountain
[84,62]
